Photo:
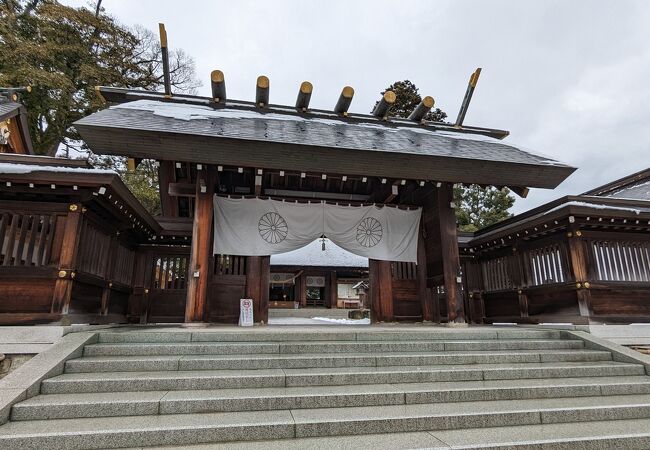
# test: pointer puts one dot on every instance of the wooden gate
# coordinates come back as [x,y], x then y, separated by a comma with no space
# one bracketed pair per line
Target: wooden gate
[226,286]
[166,302]
[406,301]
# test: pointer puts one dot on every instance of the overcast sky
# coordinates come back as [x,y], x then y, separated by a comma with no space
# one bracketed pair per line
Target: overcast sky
[569,79]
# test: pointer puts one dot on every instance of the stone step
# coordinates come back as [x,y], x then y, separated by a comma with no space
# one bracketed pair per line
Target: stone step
[353,334]
[60,406]
[239,348]
[223,379]
[185,429]
[295,361]
[631,434]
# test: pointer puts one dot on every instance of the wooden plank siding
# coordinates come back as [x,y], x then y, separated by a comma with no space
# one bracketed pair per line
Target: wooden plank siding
[572,274]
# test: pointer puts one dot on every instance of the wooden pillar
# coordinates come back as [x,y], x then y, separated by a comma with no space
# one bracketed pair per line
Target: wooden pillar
[258,273]
[578,256]
[67,261]
[253,275]
[381,291]
[265,285]
[302,289]
[449,252]
[426,301]
[166,175]
[197,285]
[515,272]
[138,306]
[109,268]
[334,290]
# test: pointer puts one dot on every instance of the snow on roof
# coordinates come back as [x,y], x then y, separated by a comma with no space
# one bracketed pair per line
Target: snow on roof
[189,112]
[639,191]
[11,168]
[597,206]
[313,255]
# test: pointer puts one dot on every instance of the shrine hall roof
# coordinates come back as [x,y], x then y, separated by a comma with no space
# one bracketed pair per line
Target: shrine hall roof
[195,129]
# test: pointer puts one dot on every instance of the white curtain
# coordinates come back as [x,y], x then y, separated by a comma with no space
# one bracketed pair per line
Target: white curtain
[256,227]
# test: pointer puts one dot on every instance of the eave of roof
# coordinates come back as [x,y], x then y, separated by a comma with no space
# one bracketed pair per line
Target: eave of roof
[281,139]
[62,172]
[572,205]
[634,178]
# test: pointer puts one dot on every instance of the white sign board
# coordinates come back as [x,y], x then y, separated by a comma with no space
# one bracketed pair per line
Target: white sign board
[245,312]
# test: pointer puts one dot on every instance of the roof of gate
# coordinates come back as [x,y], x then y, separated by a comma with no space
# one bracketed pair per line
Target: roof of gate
[195,129]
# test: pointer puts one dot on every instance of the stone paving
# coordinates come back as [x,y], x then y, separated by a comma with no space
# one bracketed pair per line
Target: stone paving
[379,387]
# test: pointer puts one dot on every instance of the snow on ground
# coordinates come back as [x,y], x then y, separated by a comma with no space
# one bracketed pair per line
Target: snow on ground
[343,321]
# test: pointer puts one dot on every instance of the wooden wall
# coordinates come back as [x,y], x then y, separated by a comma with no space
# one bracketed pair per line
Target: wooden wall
[61,262]
[571,275]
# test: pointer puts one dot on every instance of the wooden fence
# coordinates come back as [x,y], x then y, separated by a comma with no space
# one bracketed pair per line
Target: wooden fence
[578,277]
[57,260]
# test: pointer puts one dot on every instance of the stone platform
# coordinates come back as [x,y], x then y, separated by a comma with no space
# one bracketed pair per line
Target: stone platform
[379,387]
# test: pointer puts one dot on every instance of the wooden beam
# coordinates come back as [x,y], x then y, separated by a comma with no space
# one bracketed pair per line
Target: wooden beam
[578,256]
[258,272]
[302,286]
[262,91]
[165,59]
[201,249]
[167,176]
[394,192]
[343,103]
[137,306]
[67,260]
[334,291]
[181,189]
[265,285]
[423,292]
[383,107]
[109,268]
[520,191]
[422,109]
[381,290]
[473,79]
[218,84]
[253,275]
[304,95]
[448,244]
[257,177]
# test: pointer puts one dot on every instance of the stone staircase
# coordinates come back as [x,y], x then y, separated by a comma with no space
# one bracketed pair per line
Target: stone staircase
[332,388]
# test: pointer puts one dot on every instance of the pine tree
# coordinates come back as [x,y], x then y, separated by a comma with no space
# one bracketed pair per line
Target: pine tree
[476,206]
[64,52]
[407,98]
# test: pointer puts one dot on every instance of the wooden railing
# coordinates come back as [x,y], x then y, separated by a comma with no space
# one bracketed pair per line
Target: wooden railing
[544,265]
[496,273]
[574,275]
[27,239]
[94,250]
[125,263]
[404,270]
[621,260]
[229,265]
[535,266]
[170,272]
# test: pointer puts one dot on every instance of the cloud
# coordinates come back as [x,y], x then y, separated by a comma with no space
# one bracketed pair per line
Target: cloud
[567,78]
